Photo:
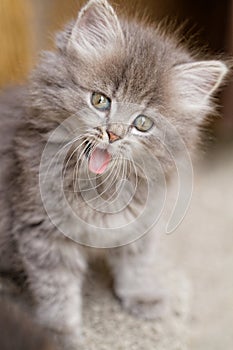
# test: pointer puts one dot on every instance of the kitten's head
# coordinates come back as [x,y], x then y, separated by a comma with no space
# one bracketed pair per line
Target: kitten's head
[126,85]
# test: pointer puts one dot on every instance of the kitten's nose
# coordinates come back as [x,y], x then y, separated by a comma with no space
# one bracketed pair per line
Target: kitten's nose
[112,137]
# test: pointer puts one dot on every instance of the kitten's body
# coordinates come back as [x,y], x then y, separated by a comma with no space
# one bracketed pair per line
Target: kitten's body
[141,66]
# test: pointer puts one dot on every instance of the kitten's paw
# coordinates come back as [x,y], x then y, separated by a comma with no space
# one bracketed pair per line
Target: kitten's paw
[147,310]
[146,307]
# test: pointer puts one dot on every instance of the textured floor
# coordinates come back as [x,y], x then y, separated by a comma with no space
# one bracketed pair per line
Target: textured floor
[201,255]
[107,326]
[204,247]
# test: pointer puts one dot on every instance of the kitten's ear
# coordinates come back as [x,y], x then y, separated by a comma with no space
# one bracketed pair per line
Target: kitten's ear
[196,82]
[96,30]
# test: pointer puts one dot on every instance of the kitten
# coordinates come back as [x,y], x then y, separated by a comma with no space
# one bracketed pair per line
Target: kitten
[92,139]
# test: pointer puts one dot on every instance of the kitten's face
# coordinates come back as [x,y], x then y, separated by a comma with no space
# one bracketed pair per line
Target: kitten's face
[116,132]
[128,87]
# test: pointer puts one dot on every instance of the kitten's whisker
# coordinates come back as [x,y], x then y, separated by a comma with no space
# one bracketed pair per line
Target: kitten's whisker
[105,179]
[99,185]
[81,158]
[79,165]
[122,172]
[135,172]
[111,173]
[92,199]
[73,152]
[57,155]
[116,175]
[67,162]
[88,134]
[77,138]
[71,142]
[102,183]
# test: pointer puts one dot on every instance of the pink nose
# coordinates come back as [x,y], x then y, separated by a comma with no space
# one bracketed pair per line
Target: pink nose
[112,137]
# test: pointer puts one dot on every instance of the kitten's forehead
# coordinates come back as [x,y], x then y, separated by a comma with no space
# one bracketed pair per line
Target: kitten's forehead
[126,79]
[135,72]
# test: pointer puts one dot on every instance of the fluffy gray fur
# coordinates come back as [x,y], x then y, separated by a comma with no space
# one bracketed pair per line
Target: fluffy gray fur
[131,63]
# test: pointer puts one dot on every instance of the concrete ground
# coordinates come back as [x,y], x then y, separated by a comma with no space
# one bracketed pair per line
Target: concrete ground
[199,274]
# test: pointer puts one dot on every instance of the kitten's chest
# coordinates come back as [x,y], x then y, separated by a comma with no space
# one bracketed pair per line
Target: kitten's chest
[109,200]
[107,211]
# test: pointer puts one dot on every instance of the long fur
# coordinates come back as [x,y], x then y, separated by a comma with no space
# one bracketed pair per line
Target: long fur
[142,70]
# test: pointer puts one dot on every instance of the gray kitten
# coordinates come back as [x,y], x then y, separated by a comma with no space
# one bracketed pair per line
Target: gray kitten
[107,92]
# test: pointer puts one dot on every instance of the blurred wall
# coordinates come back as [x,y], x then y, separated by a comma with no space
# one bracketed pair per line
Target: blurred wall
[228,95]
[16,40]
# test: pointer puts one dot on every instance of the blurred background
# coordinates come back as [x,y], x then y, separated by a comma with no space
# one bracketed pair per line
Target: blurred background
[203,244]
[27,26]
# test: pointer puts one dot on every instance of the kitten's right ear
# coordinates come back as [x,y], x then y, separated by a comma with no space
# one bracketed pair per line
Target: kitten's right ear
[196,82]
[96,30]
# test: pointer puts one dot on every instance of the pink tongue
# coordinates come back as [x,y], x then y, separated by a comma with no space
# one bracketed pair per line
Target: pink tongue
[99,161]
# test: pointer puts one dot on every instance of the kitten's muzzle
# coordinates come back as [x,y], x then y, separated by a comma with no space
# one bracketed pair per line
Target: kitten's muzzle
[112,136]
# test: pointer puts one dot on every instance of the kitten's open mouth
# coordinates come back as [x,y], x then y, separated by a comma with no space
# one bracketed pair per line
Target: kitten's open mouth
[98,158]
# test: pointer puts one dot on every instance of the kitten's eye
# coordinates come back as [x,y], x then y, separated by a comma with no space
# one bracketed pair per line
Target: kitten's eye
[143,123]
[100,101]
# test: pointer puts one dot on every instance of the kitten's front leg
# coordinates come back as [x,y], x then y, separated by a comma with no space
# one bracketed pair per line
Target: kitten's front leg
[136,281]
[55,275]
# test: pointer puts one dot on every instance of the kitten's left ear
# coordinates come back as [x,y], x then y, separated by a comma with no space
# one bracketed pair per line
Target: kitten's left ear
[196,82]
[96,30]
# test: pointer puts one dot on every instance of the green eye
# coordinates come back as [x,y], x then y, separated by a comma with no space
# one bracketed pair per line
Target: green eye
[100,101]
[143,123]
